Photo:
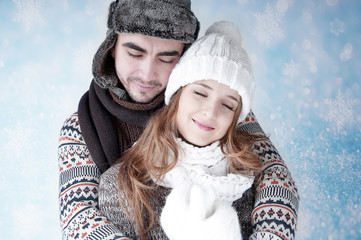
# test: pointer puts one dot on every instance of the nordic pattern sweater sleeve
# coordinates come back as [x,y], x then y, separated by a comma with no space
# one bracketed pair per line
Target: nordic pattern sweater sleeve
[78,188]
[274,215]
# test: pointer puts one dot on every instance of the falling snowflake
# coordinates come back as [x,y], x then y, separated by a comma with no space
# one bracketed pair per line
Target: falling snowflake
[242,1]
[18,140]
[93,7]
[28,12]
[351,214]
[336,27]
[28,221]
[346,53]
[290,70]
[340,110]
[332,3]
[268,25]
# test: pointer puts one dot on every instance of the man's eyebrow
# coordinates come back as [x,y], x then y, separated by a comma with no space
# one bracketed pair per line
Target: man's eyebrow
[134,46]
[138,48]
[169,53]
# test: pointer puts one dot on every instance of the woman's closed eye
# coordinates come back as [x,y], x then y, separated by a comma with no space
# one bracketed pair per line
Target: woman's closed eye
[199,93]
[228,106]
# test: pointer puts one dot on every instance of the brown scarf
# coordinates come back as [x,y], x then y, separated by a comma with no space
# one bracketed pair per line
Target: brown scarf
[110,125]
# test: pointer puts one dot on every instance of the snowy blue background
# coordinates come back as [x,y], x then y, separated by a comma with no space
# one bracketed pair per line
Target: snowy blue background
[307,63]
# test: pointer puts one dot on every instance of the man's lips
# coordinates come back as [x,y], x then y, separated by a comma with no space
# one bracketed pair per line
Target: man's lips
[203,126]
[144,88]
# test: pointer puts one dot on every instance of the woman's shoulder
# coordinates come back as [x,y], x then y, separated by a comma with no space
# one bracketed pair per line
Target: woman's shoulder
[111,174]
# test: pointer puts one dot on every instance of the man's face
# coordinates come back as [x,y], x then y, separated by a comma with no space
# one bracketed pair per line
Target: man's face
[143,64]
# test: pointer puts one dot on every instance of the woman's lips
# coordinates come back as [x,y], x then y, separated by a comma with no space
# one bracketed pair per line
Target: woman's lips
[203,126]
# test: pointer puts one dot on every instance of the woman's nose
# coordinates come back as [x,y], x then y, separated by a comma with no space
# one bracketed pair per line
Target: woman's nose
[210,109]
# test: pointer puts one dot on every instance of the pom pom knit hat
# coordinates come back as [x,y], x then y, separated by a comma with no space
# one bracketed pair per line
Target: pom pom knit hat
[167,19]
[218,55]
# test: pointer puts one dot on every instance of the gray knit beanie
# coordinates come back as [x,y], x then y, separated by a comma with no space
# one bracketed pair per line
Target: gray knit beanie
[168,19]
[218,55]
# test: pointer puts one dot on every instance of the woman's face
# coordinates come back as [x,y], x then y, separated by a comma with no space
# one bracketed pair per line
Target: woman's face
[205,112]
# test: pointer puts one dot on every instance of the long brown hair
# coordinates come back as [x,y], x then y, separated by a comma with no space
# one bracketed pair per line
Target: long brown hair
[148,161]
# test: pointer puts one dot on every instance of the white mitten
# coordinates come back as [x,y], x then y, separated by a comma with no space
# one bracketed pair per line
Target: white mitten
[192,212]
[222,224]
[210,218]
[175,211]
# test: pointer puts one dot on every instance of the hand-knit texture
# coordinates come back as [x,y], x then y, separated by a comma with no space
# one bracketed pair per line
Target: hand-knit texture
[79,180]
[274,212]
[101,116]
[274,215]
[110,208]
[207,167]
[199,206]
[218,55]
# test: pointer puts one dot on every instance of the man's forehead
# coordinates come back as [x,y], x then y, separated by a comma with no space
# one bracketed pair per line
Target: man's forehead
[142,37]
[144,43]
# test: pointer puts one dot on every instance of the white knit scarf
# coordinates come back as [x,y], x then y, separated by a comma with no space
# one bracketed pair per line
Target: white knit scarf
[207,167]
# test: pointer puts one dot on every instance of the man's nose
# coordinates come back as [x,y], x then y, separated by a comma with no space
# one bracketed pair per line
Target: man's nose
[148,69]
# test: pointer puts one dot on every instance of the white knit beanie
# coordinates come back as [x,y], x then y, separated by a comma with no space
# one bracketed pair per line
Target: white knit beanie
[218,55]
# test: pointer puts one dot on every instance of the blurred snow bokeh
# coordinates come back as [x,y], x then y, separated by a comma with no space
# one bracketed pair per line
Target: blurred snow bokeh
[306,61]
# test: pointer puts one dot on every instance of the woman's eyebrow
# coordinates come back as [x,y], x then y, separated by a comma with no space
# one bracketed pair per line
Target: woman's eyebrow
[204,85]
[210,88]
[233,98]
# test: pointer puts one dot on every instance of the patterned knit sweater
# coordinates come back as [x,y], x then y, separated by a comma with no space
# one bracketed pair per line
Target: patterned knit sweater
[274,214]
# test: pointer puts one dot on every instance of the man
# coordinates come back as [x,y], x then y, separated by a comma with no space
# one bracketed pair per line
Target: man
[145,39]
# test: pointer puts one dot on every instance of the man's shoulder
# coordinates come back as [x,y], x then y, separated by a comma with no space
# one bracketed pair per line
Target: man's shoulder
[72,121]
[73,115]
[71,128]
